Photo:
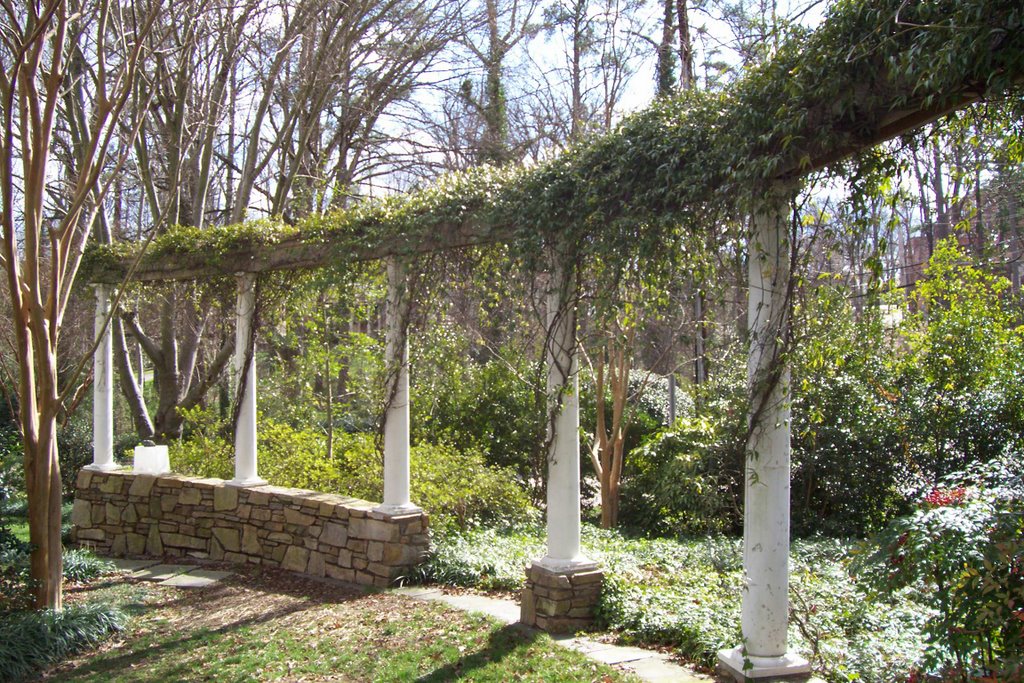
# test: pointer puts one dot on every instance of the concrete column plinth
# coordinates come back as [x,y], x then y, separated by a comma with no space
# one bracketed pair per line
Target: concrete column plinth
[788,667]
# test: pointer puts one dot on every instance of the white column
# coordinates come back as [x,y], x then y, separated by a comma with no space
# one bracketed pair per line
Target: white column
[246,472]
[103,388]
[396,416]
[563,514]
[764,651]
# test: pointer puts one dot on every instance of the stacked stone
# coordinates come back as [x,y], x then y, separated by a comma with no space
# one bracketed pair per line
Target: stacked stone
[560,602]
[126,515]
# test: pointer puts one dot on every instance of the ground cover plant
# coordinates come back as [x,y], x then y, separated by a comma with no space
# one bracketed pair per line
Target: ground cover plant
[268,625]
[31,639]
[686,594]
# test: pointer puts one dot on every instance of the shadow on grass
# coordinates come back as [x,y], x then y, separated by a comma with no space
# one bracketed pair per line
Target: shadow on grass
[148,655]
[500,644]
[145,652]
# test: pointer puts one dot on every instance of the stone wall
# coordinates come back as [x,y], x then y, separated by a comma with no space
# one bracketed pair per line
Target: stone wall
[127,515]
[560,602]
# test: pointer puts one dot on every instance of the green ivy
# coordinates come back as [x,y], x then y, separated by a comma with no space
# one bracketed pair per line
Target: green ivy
[686,161]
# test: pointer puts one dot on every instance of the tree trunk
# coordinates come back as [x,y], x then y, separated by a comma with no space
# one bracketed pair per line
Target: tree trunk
[43,485]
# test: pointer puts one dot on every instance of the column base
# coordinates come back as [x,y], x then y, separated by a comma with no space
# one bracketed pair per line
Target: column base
[744,667]
[103,467]
[242,483]
[398,510]
[561,600]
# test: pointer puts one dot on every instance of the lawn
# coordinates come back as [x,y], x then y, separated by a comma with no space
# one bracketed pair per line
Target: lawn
[271,625]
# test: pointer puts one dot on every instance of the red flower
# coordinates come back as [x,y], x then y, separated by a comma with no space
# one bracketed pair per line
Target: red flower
[942,497]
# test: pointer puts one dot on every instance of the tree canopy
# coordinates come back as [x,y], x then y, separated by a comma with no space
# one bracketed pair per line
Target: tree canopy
[872,71]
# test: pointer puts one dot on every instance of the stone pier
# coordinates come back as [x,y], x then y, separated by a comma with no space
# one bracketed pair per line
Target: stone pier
[559,601]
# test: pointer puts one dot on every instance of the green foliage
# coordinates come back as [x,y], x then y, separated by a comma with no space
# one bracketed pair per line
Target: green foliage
[296,458]
[962,551]
[849,454]
[204,452]
[12,459]
[82,565]
[32,640]
[882,410]
[848,633]
[457,488]
[323,369]
[481,558]
[963,394]
[16,584]
[684,479]
[288,456]
[492,407]
[74,450]
[687,160]
[686,594]
[14,575]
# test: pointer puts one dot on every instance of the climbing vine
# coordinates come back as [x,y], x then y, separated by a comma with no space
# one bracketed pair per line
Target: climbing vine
[873,69]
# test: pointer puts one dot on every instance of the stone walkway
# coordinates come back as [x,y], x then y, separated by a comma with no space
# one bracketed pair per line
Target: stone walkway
[648,665]
[178,575]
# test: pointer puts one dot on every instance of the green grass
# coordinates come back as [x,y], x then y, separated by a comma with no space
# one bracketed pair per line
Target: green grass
[245,632]
[16,518]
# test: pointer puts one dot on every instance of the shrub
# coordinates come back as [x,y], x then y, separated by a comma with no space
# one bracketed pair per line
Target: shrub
[287,456]
[297,458]
[32,640]
[962,388]
[15,583]
[962,550]
[457,488]
[74,449]
[492,407]
[849,447]
[14,580]
[204,452]
[684,479]
[81,565]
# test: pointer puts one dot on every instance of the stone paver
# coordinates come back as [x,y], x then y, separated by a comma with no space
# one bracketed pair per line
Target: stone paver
[502,610]
[131,565]
[647,665]
[197,578]
[661,670]
[178,575]
[415,591]
[162,572]
[619,654]
[584,645]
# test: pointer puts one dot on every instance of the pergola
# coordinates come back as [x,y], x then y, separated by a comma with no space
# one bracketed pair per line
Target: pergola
[883,83]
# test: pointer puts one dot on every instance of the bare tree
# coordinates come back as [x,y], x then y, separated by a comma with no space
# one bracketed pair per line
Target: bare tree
[317,79]
[42,246]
